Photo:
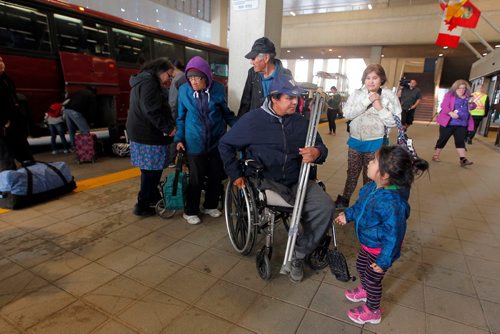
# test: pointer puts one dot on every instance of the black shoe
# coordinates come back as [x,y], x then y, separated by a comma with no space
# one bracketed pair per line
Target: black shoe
[341,202]
[297,270]
[143,211]
[469,141]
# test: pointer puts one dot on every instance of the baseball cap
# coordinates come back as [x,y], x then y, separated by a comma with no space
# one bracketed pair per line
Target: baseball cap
[284,84]
[194,72]
[261,45]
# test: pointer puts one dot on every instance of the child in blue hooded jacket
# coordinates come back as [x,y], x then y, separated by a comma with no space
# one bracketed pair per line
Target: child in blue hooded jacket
[380,215]
[203,116]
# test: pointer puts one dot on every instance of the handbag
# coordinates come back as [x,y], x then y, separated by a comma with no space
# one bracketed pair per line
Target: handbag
[338,262]
[174,187]
[403,139]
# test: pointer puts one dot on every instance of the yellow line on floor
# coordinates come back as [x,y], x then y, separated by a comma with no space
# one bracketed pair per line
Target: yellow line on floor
[101,181]
[107,179]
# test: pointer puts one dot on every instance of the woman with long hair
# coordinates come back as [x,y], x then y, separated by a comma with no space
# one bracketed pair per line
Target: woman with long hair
[370,110]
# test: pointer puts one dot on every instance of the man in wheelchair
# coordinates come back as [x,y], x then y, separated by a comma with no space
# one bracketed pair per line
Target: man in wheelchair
[274,135]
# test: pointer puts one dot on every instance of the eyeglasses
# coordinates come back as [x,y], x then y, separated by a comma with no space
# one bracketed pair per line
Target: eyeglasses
[195,79]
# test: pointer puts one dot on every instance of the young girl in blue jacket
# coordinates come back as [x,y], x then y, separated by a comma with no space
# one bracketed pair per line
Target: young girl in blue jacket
[380,215]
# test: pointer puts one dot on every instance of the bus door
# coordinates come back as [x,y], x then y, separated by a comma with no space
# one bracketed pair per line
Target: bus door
[83,70]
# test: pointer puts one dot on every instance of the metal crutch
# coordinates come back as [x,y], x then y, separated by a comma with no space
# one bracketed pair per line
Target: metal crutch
[312,131]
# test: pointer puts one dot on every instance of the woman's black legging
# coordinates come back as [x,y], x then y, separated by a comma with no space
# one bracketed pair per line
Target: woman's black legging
[459,134]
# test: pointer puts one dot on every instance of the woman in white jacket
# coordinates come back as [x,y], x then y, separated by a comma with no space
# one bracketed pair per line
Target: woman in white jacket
[370,111]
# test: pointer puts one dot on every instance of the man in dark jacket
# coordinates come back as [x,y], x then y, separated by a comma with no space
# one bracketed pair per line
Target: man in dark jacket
[265,68]
[274,136]
[81,105]
[13,141]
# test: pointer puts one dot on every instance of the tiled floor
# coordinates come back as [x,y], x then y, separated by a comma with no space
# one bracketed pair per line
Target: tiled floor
[85,264]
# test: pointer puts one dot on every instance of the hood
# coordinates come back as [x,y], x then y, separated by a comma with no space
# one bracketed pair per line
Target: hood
[138,78]
[202,65]
[266,106]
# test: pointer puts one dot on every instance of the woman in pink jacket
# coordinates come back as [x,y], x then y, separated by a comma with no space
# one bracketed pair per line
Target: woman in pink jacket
[455,120]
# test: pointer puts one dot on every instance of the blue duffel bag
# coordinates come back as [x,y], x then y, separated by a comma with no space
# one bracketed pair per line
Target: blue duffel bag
[35,183]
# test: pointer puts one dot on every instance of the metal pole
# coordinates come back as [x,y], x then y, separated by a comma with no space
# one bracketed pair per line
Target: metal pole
[302,184]
[482,40]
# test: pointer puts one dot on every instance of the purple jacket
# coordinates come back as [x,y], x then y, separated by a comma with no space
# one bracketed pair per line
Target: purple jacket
[448,105]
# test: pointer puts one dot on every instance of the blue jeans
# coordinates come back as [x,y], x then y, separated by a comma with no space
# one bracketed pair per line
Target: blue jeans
[75,120]
[57,129]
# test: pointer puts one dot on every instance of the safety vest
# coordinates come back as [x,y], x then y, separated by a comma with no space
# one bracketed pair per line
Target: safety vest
[480,100]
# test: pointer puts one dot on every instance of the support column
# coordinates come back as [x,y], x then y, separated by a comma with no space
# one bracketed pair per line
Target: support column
[220,22]
[291,65]
[262,18]
[375,55]
[310,69]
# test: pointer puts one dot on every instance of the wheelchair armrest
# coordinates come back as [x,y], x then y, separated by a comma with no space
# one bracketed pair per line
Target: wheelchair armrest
[254,165]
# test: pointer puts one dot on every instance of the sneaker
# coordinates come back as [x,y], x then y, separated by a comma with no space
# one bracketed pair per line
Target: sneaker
[436,158]
[143,212]
[341,202]
[215,213]
[54,152]
[357,294]
[469,141]
[296,271]
[465,162]
[193,220]
[362,314]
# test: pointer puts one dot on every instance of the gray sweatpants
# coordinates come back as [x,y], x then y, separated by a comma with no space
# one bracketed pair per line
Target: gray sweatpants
[317,214]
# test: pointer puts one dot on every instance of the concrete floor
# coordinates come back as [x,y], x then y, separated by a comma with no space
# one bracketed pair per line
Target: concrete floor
[84,264]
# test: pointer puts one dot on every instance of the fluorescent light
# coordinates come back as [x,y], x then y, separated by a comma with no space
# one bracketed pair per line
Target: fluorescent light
[497,46]
[370,6]
[440,55]
[292,13]
[301,57]
[445,47]
[330,50]
[339,56]
[157,10]
[288,51]
[382,56]
[484,54]
[158,21]
[122,9]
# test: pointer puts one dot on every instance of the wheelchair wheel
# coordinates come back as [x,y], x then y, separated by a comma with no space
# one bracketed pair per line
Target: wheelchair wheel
[318,259]
[162,211]
[263,263]
[239,210]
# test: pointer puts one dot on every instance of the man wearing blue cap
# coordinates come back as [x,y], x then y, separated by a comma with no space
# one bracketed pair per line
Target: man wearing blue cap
[265,67]
[274,136]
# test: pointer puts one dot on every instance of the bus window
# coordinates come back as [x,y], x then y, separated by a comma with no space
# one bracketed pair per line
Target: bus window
[191,52]
[131,47]
[168,49]
[75,35]
[23,28]
[219,64]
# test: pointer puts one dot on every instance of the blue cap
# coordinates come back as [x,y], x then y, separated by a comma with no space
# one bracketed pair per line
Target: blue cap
[285,84]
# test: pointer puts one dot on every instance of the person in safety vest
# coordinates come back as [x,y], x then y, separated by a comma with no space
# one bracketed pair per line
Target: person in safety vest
[482,102]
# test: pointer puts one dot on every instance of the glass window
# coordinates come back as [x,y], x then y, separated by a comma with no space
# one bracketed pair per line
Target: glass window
[191,52]
[301,68]
[75,35]
[23,28]
[168,49]
[219,64]
[130,47]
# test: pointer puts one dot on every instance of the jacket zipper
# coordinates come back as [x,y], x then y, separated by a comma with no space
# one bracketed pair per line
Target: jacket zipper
[286,150]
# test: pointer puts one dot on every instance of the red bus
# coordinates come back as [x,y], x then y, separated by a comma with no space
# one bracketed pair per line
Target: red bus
[50,46]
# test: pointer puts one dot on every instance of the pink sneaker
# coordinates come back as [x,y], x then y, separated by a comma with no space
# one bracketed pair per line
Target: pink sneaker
[362,314]
[358,294]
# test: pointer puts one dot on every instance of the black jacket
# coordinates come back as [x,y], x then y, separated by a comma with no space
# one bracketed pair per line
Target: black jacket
[83,101]
[272,141]
[8,100]
[149,119]
[253,97]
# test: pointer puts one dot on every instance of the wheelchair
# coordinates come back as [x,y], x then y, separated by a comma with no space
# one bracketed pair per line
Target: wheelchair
[251,211]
